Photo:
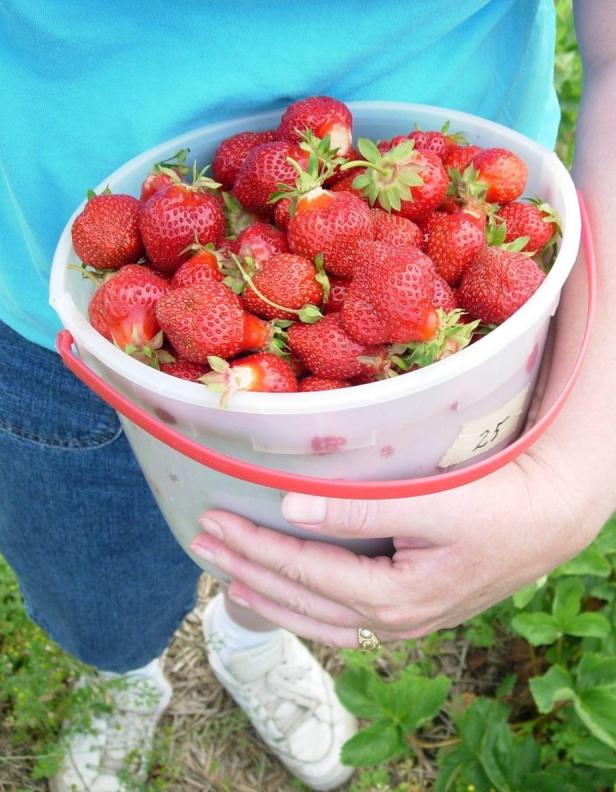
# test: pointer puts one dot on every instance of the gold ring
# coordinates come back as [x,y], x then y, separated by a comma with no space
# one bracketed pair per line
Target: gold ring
[367,639]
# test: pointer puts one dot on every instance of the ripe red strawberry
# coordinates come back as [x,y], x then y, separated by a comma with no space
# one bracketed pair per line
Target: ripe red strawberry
[282,213]
[345,184]
[285,279]
[263,372]
[497,283]
[390,299]
[453,242]
[232,152]
[202,320]
[535,220]
[123,310]
[327,350]
[200,267]
[264,168]
[433,141]
[260,241]
[387,145]
[183,369]
[395,229]
[162,174]
[503,172]
[106,233]
[312,383]
[338,288]
[328,222]
[179,216]
[443,295]
[408,182]
[459,157]
[323,116]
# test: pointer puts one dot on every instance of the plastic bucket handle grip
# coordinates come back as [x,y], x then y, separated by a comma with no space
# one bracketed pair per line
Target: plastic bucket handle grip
[339,488]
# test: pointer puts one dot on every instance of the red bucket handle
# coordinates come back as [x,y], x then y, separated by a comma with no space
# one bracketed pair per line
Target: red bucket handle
[338,488]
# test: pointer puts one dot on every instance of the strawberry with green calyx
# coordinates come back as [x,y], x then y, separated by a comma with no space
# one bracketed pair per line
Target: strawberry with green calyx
[159,176]
[263,170]
[451,336]
[260,241]
[312,383]
[106,233]
[232,152]
[179,216]
[496,233]
[453,241]
[328,351]
[262,373]
[203,265]
[467,192]
[123,310]
[504,173]
[292,282]
[323,116]
[497,283]
[237,217]
[411,183]
[536,220]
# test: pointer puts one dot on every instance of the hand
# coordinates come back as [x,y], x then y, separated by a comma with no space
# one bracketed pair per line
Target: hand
[456,553]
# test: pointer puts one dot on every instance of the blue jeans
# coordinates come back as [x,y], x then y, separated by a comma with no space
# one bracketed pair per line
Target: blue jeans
[99,570]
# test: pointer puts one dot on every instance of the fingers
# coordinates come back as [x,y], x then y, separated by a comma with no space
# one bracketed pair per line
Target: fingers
[281,590]
[359,583]
[299,624]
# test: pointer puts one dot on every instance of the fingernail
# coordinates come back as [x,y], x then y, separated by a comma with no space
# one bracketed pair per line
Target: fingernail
[304,509]
[211,527]
[203,552]
[238,600]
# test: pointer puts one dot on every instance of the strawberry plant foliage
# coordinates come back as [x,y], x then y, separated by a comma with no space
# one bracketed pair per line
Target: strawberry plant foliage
[551,729]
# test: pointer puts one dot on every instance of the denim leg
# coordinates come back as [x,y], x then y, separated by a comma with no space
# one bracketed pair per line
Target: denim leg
[99,570]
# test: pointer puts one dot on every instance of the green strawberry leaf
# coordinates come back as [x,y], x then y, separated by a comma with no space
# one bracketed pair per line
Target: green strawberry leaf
[419,699]
[566,606]
[375,744]
[593,752]
[369,150]
[537,628]
[590,561]
[589,625]
[554,686]
[361,691]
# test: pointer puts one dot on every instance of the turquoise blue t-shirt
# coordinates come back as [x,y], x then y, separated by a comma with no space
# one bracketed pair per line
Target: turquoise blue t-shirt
[86,86]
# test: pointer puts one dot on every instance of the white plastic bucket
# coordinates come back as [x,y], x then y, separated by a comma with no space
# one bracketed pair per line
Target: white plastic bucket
[450,414]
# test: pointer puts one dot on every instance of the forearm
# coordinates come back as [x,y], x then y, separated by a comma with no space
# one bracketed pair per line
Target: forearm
[584,435]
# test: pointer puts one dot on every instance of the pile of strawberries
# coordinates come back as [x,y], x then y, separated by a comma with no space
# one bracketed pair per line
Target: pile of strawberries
[310,265]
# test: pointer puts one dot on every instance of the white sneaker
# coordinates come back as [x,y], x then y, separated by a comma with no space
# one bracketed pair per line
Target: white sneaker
[121,739]
[290,701]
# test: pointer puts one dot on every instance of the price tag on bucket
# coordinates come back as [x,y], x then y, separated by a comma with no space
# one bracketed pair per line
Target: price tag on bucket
[483,434]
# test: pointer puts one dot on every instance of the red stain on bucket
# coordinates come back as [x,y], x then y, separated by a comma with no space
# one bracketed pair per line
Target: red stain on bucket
[327,444]
[387,451]
[532,358]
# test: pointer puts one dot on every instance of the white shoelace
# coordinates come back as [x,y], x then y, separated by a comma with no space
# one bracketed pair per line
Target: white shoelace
[271,696]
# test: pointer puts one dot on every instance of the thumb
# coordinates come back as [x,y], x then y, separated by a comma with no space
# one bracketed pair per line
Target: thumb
[426,518]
